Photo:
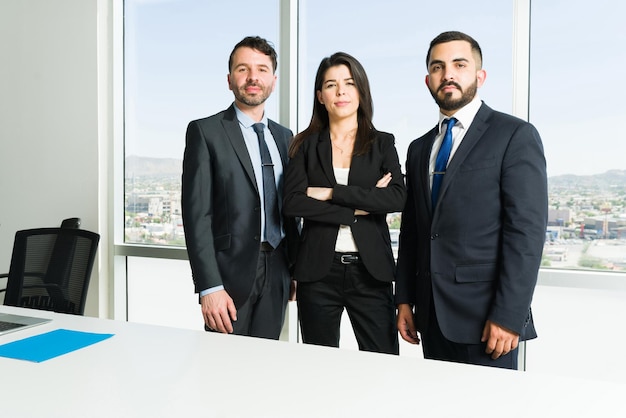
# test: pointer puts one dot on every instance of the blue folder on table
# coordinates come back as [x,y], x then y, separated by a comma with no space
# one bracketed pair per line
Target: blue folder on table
[51,344]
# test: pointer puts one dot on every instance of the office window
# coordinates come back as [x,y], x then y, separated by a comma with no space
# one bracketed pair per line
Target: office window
[577,57]
[161,292]
[390,39]
[574,53]
[175,67]
[175,70]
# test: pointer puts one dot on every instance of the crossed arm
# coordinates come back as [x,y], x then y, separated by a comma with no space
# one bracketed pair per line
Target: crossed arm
[326,193]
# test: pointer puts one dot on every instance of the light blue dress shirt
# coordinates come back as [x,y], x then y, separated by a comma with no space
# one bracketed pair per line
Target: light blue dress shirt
[252,143]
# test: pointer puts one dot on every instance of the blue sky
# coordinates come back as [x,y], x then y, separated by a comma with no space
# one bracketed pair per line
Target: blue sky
[177,52]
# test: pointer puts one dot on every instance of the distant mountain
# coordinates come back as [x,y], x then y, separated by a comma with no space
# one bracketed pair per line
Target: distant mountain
[153,167]
[609,180]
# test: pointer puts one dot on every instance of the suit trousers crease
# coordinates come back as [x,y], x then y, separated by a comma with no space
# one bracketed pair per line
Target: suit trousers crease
[368,302]
[263,313]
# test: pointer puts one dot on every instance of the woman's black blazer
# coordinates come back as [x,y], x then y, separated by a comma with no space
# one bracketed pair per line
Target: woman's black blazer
[312,167]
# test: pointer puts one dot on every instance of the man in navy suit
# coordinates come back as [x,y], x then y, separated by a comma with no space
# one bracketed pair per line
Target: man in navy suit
[243,281]
[468,261]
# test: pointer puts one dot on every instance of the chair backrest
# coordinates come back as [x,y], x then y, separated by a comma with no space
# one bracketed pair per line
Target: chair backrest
[70,223]
[51,268]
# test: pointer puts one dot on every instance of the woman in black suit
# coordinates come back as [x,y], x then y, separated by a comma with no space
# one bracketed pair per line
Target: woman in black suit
[343,178]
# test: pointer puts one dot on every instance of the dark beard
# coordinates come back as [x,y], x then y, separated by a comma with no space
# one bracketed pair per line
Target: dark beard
[250,100]
[449,104]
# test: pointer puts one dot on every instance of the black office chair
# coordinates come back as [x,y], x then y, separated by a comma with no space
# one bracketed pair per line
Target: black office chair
[66,223]
[71,223]
[51,268]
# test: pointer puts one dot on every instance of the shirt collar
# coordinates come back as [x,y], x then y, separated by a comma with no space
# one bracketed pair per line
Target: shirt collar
[465,115]
[245,120]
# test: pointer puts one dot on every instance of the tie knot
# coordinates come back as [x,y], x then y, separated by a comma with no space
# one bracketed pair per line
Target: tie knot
[258,127]
[450,122]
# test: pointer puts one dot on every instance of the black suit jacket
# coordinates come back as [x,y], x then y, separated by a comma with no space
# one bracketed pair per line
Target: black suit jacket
[312,166]
[221,204]
[478,254]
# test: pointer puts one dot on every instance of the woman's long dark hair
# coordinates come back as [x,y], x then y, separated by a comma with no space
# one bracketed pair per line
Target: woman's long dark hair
[319,121]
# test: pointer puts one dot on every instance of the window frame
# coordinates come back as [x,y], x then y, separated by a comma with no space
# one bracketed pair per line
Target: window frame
[288,110]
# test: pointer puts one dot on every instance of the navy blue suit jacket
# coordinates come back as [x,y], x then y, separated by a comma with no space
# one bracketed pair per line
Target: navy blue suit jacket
[477,256]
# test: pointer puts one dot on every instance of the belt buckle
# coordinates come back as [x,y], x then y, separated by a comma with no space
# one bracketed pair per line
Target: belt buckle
[346,259]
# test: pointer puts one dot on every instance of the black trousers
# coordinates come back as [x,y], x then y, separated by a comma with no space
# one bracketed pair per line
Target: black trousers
[263,313]
[437,347]
[369,303]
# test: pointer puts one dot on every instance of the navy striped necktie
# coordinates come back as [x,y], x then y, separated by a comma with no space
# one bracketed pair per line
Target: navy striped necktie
[270,195]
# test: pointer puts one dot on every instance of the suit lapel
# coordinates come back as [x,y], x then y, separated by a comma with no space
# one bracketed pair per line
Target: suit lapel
[423,167]
[325,156]
[472,137]
[233,132]
[280,140]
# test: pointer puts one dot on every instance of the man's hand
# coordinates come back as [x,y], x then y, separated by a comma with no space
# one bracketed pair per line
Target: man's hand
[405,324]
[218,310]
[500,340]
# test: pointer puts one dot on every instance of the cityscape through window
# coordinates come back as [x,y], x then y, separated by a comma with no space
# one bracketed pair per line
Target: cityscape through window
[175,70]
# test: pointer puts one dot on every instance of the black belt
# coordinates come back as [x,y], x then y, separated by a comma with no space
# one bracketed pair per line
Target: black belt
[348,258]
[266,246]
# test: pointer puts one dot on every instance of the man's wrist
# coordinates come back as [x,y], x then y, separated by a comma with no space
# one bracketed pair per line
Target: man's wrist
[211,290]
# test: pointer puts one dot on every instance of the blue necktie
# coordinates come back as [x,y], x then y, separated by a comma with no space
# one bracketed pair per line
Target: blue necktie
[442,160]
[270,196]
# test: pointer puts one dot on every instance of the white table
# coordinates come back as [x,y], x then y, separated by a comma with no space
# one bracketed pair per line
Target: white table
[150,371]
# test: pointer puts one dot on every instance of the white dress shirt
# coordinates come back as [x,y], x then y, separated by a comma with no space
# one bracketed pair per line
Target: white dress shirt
[465,117]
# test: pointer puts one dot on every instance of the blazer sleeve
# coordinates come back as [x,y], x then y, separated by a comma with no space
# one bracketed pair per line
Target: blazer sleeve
[197,206]
[296,202]
[406,269]
[525,213]
[376,200]
[290,223]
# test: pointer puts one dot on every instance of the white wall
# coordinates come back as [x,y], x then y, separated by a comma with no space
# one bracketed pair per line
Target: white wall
[50,164]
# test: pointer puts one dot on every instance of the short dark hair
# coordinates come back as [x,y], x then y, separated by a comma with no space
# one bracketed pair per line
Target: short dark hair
[456,36]
[256,43]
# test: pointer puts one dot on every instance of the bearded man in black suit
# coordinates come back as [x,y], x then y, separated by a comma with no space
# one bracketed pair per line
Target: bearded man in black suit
[243,279]
[473,228]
